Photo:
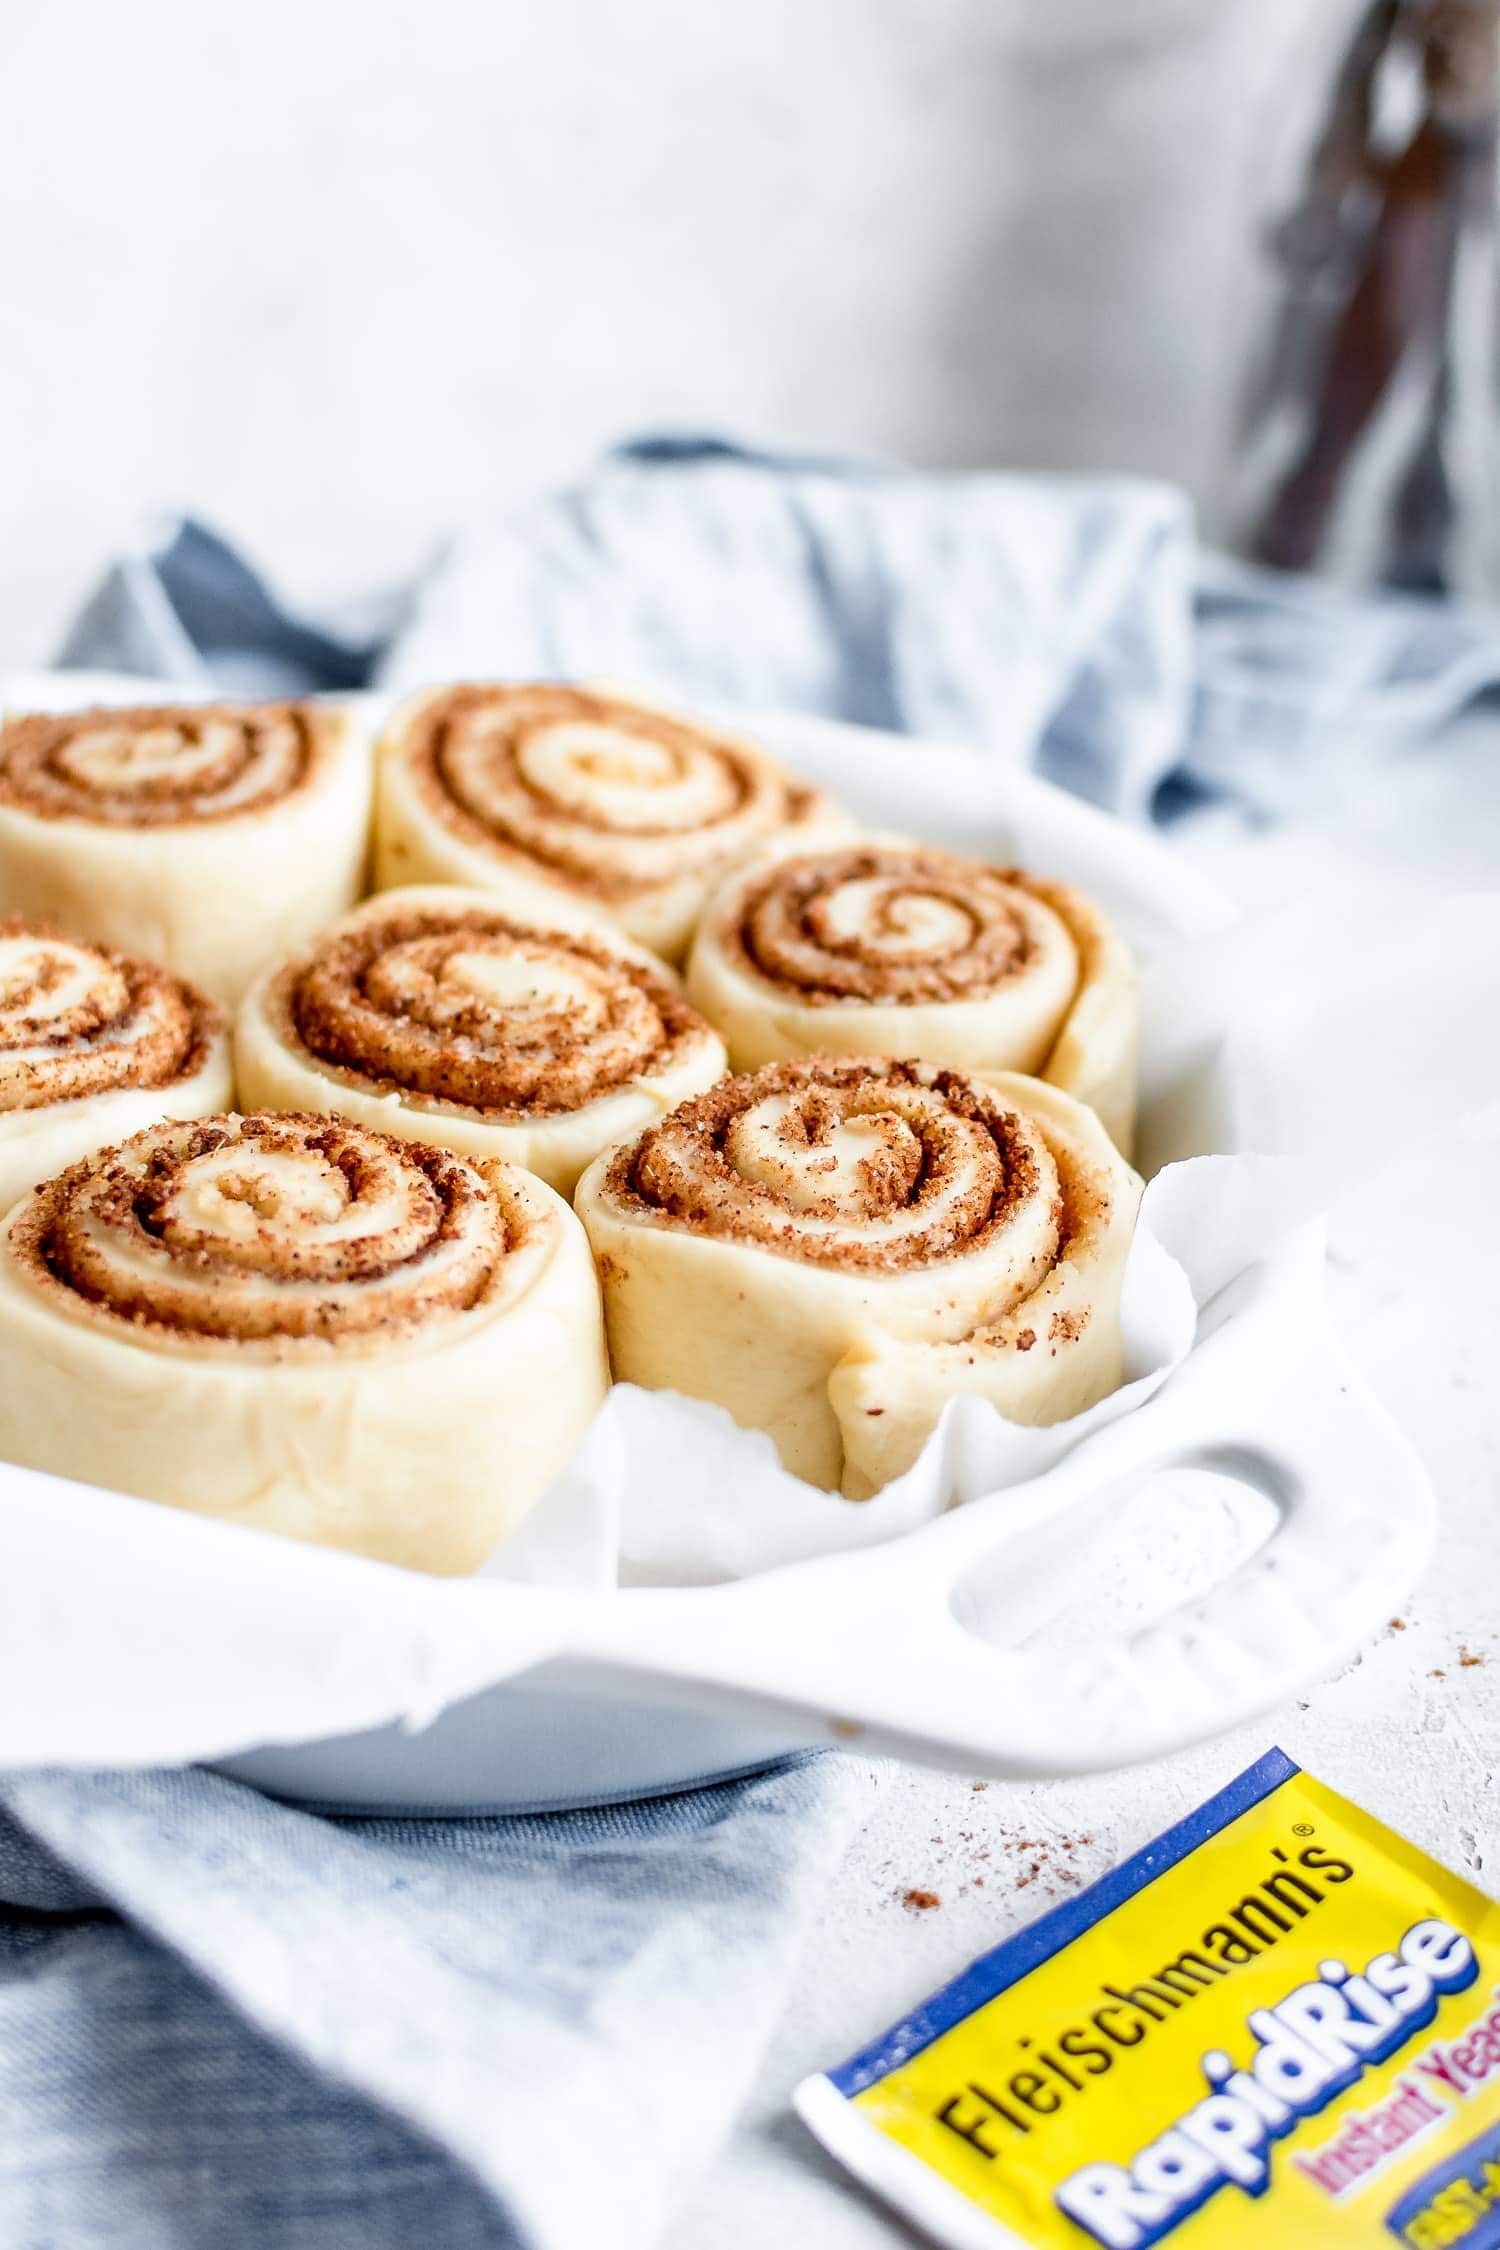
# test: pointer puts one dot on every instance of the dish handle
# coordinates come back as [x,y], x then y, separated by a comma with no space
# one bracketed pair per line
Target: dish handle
[883,1647]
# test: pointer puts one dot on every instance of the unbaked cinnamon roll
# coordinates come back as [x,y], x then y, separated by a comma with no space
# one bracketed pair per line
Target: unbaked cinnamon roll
[209,837]
[93,1046]
[298,1325]
[459,1016]
[832,1249]
[633,810]
[883,947]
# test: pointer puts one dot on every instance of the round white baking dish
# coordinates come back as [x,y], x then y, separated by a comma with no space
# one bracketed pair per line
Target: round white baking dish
[629,1693]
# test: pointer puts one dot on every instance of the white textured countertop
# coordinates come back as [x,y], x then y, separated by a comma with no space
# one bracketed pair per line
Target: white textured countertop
[1411,1729]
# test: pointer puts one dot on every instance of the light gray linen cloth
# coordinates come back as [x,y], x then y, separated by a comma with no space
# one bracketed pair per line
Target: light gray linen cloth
[229,2022]
[1069,623]
[226,2022]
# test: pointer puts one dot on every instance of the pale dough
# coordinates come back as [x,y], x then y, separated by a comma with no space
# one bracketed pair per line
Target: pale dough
[793,1247]
[412,1409]
[211,839]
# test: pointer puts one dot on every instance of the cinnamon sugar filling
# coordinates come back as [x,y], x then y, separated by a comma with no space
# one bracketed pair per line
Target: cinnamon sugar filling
[799,1157]
[637,798]
[160,765]
[277,1231]
[888,926]
[476,1012]
[78,1020]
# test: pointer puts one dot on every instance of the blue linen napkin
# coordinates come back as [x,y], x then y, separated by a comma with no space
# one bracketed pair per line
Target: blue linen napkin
[1066,622]
[225,2022]
[228,2022]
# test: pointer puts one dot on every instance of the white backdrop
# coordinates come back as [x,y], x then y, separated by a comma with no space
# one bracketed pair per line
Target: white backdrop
[337,276]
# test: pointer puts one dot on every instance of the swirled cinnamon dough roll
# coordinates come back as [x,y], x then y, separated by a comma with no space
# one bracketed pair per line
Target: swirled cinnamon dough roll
[210,837]
[93,1046]
[633,810]
[832,1249]
[462,1017]
[298,1325]
[883,947]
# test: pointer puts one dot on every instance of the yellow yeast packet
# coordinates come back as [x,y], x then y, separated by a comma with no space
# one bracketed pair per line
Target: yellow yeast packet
[1279,2024]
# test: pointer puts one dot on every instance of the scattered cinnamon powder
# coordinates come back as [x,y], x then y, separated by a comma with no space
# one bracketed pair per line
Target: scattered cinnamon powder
[920,1901]
[1048,1860]
[1051,1856]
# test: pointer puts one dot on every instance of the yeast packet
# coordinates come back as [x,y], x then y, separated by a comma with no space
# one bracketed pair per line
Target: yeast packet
[1277,2025]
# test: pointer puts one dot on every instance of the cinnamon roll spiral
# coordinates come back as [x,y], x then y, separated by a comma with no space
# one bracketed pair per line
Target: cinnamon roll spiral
[459,1016]
[299,1325]
[209,837]
[94,1045]
[832,1249]
[633,810]
[892,948]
